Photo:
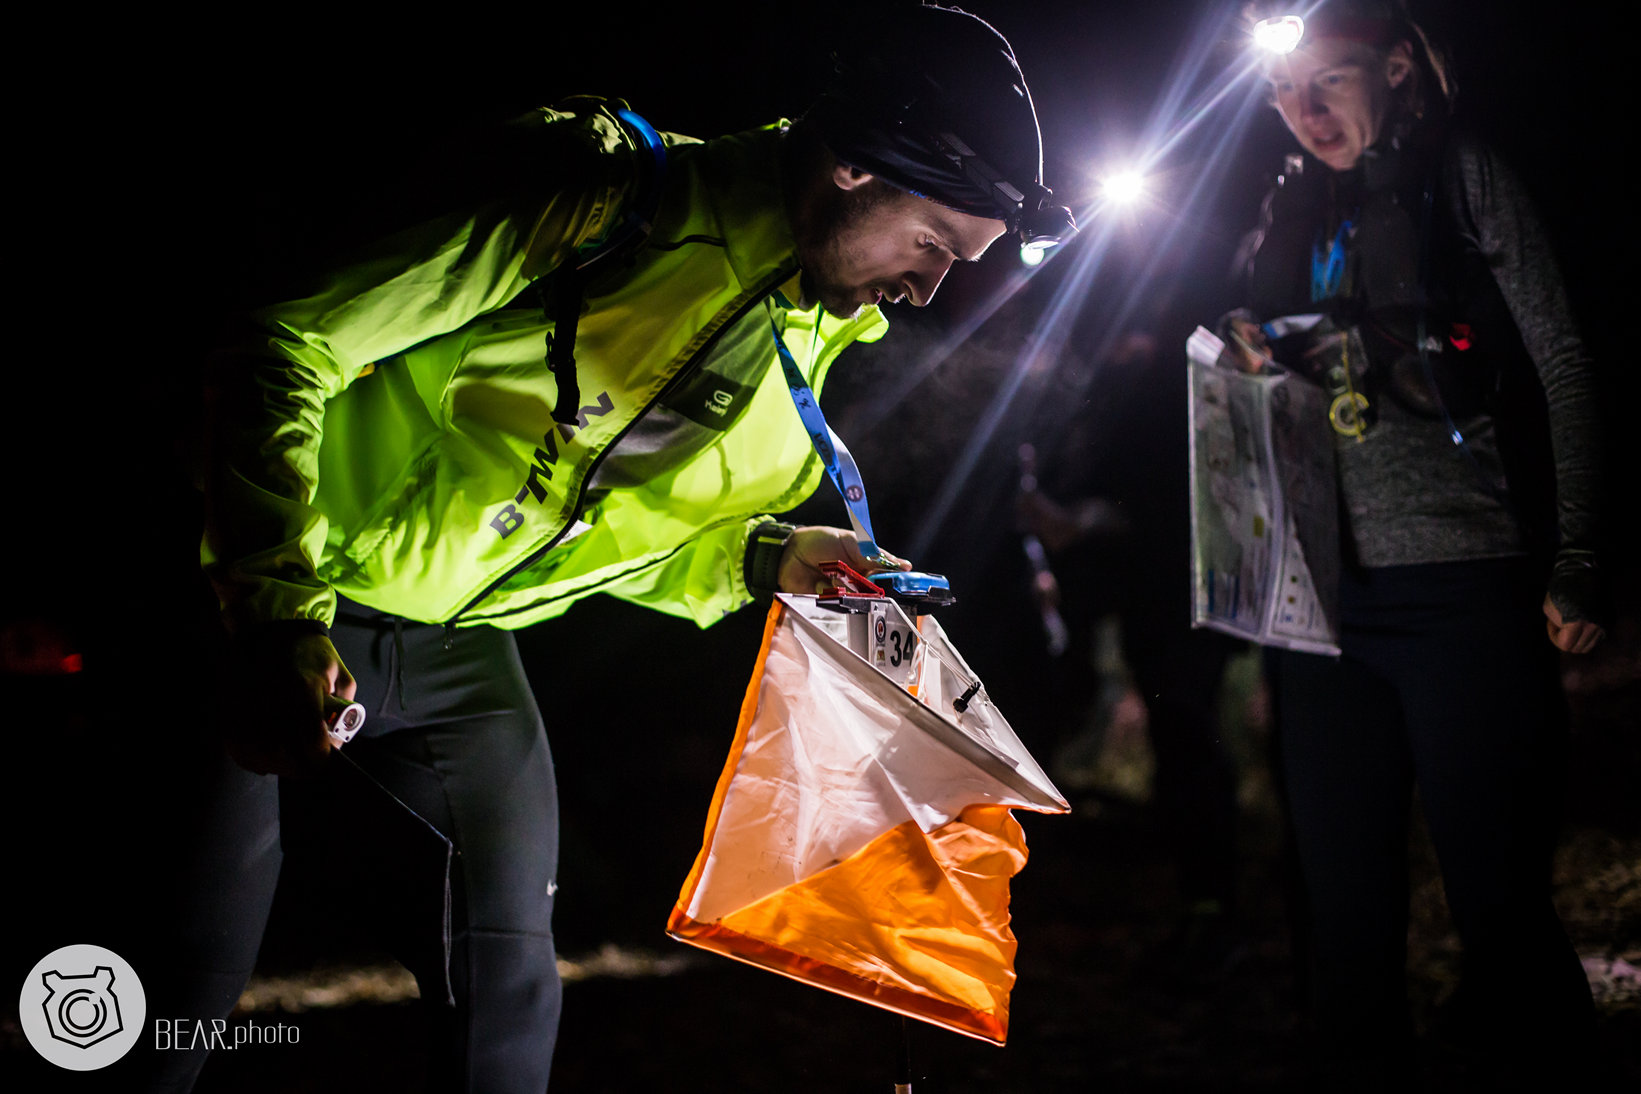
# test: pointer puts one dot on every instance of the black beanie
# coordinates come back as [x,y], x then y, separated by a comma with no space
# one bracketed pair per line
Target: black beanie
[931,100]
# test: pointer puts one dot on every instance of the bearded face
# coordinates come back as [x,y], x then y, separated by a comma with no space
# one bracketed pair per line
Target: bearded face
[867,242]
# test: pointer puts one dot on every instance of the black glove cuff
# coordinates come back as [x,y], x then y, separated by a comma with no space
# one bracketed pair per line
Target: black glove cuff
[763,558]
[1576,587]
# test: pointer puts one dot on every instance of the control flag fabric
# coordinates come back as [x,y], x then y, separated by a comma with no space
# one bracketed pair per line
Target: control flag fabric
[860,838]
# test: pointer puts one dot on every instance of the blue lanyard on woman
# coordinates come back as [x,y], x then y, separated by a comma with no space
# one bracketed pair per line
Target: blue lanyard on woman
[1328,265]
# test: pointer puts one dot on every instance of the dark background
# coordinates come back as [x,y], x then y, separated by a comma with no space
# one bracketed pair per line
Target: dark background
[172,168]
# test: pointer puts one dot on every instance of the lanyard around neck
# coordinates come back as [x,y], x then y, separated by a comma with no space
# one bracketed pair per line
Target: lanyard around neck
[834,454]
[1328,264]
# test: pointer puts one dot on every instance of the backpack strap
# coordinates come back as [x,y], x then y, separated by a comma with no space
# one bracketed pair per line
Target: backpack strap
[563,289]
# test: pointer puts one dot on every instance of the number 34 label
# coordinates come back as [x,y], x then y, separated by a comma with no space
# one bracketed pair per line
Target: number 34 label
[895,644]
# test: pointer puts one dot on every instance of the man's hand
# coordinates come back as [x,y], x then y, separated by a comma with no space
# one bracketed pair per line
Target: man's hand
[287,688]
[1579,636]
[809,546]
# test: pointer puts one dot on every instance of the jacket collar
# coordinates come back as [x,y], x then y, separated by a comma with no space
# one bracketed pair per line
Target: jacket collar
[742,176]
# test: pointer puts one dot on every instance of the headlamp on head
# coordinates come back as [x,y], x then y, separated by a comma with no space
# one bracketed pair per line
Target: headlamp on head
[1378,23]
[1040,223]
[1046,226]
[1280,35]
[934,103]
[1043,228]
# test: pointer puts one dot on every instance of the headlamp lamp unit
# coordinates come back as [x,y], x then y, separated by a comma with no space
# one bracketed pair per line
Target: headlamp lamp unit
[1280,35]
[1040,223]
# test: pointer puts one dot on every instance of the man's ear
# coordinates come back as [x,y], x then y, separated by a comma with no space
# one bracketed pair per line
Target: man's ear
[1399,63]
[848,177]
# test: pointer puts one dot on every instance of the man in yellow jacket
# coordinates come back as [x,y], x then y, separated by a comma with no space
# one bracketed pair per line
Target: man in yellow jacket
[573,387]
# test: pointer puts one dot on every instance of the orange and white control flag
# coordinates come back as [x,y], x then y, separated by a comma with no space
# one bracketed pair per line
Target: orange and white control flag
[860,838]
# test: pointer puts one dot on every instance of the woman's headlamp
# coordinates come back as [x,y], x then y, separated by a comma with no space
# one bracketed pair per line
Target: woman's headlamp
[1280,35]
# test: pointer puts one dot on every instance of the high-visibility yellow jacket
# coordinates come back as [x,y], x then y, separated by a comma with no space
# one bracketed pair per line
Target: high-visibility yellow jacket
[397,443]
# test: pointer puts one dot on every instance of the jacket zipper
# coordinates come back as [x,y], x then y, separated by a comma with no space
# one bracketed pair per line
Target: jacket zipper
[581,494]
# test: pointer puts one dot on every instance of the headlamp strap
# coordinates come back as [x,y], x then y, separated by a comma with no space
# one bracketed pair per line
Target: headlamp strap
[834,454]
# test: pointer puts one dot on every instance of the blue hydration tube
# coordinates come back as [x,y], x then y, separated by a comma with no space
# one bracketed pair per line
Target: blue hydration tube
[834,454]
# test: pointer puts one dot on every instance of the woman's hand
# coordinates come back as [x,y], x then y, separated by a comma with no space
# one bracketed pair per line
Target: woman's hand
[1576,636]
[1249,347]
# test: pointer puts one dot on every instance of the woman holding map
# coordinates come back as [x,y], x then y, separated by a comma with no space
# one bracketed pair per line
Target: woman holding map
[1436,322]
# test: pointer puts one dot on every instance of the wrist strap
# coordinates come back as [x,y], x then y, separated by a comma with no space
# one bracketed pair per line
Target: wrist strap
[763,558]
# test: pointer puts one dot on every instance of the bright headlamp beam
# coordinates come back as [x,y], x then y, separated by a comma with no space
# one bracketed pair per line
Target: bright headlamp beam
[1172,120]
[1279,36]
[1124,187]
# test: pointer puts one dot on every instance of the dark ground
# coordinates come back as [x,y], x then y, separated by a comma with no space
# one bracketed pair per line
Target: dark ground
[1102,1001]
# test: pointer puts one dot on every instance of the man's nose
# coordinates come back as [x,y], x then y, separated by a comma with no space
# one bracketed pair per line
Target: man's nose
[921,285]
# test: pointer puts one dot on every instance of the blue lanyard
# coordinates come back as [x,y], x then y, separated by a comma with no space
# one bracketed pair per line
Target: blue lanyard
[834,454]
[1328,267]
